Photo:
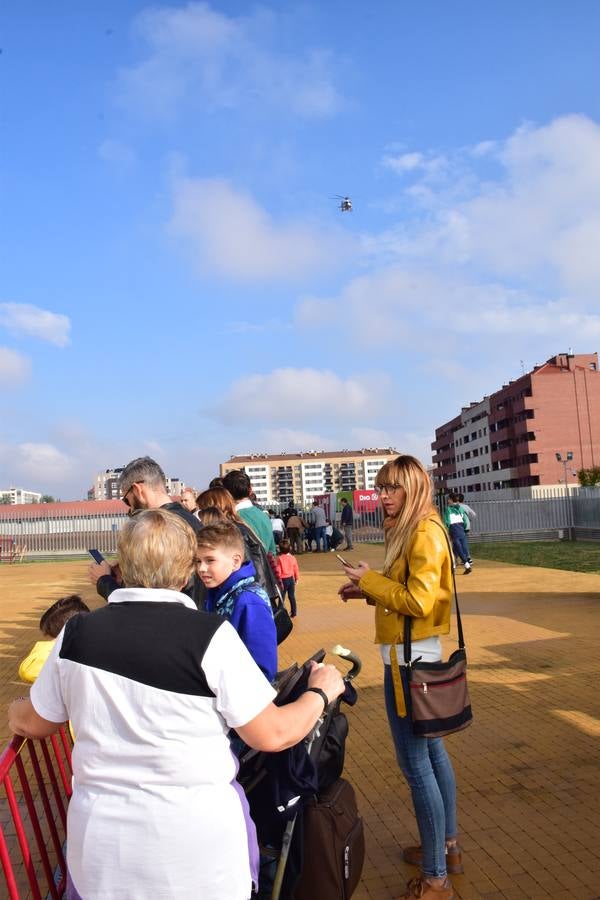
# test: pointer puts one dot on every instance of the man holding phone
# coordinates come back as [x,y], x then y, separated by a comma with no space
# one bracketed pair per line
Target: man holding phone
[143,485]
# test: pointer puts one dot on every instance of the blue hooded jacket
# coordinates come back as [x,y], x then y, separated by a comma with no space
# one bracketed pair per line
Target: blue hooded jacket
[249,610]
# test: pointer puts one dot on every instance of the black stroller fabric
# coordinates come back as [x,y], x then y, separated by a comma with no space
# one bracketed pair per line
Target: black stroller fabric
[279,785]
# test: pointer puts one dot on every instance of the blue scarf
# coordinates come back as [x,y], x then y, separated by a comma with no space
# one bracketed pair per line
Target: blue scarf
[225,603]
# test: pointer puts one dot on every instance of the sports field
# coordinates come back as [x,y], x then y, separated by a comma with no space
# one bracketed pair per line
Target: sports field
[528,773]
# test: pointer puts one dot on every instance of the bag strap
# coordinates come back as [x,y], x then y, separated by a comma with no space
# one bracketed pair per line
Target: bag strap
[408,619]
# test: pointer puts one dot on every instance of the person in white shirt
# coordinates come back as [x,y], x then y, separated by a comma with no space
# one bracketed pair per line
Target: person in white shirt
[278,526]
[152,688]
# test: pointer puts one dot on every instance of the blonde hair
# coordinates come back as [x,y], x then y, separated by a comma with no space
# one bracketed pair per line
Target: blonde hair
[410,474]
[156,550]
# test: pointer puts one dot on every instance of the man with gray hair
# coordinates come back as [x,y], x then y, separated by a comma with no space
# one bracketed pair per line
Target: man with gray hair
[143,485]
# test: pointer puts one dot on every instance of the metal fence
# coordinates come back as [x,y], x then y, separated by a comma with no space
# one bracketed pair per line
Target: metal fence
[572,515]
[66,534]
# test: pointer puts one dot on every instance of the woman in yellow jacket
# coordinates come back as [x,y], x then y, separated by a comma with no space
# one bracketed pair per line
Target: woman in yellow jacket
[416,582]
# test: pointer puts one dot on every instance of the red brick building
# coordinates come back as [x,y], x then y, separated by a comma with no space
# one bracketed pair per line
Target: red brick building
[512,438]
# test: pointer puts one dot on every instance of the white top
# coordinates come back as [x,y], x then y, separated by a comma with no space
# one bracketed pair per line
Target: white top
[152,687]
[429,650]
[277,524]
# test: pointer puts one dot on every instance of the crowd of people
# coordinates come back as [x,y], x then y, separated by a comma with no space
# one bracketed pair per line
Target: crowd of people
[152,688]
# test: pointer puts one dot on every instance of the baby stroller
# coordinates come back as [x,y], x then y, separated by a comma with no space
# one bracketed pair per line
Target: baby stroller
[309,831]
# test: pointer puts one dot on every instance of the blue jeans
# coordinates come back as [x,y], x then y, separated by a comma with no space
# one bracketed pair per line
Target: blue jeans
[321,537]
[460,545]
[430,777]
[289,588]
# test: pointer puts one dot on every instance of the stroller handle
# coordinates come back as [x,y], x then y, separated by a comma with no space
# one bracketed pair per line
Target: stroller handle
[344,653]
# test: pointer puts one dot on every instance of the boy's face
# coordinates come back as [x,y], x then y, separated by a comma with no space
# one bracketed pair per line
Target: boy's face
[214,565]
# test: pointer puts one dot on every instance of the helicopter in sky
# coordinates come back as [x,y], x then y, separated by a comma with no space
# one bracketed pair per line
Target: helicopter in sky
[345,204]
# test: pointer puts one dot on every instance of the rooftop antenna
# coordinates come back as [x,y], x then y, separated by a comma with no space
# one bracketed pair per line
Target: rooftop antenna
[522,367]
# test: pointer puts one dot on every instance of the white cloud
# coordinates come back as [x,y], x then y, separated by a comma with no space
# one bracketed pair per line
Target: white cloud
[537,220]
[423,310]
[244,327]
[43,462]
[230,234]
[297,396]
[501,247]
[117,152]
[23,318]
[14,367]
[293,440]
[429,164]
[198,56]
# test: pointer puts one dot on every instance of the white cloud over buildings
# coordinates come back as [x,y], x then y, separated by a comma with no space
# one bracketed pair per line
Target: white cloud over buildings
[228,233]
[197,56]
[301,396]
[26,319]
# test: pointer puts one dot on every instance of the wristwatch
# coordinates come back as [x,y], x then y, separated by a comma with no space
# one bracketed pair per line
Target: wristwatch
[321,694]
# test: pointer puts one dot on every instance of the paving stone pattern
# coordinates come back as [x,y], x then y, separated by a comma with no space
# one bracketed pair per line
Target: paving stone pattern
[527,769]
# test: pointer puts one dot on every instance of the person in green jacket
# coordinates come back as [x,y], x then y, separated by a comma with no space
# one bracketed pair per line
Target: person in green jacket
[239,486]
[457,522]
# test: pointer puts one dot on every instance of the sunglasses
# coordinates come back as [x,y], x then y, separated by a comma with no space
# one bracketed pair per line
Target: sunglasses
[125,497]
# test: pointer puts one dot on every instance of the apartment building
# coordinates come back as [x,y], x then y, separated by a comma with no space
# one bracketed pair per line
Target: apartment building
[14,496]
[106,485]
[536,430]
[281,478]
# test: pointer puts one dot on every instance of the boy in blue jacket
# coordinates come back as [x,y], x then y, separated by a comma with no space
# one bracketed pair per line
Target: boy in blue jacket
[233,592]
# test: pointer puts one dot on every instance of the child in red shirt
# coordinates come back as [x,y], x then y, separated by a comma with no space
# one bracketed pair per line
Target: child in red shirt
[288,572]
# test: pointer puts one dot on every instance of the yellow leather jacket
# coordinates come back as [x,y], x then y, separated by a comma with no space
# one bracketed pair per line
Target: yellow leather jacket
[419,585]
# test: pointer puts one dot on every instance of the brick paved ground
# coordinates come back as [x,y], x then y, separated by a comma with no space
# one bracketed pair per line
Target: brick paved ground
[528,774]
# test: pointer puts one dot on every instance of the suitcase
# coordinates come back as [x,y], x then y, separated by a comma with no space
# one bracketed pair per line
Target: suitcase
[333,845]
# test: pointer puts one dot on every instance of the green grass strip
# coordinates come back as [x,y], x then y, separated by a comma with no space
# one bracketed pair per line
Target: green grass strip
[574,556]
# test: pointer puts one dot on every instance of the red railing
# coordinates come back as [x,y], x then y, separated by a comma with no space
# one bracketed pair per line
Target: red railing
[36,781]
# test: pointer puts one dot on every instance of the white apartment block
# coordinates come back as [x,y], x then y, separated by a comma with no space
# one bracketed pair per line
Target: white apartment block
[472,444]
[106,485]
[281,478]
[19,495]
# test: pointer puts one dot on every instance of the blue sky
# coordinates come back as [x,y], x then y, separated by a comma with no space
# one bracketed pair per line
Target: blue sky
[175,277]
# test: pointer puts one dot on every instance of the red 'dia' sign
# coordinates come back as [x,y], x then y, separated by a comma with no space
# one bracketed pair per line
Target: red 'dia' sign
[365,501]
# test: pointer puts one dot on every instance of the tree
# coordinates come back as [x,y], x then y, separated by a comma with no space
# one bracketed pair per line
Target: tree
[5,499]
[589,477]
[47,498]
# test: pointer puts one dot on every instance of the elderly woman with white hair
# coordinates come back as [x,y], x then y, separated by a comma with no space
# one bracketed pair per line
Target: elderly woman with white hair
[152,688]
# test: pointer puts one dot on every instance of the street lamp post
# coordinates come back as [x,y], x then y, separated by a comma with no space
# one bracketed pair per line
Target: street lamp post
[565,460]
[568,458]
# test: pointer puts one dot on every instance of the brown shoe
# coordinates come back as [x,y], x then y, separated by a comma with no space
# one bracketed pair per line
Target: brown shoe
[421,888]
[414,857]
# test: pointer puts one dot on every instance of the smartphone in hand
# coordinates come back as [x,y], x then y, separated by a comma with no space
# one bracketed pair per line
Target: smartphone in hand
[343,561]
[96,556]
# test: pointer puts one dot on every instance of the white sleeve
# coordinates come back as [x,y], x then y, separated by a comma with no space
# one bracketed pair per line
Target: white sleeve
[241,689]
[46,694]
